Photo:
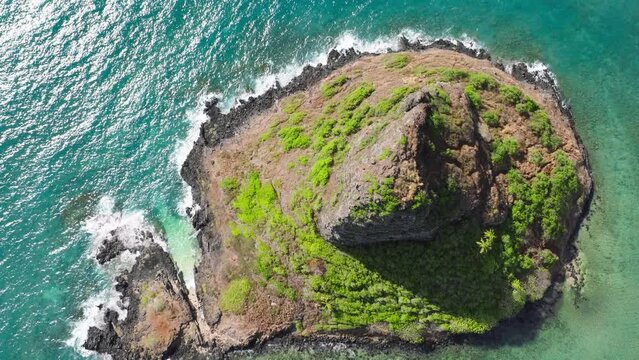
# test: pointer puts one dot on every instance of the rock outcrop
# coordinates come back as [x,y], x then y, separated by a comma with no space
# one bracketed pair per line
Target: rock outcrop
[160,319]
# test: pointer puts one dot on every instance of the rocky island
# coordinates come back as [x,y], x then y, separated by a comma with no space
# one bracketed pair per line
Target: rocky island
[408,195]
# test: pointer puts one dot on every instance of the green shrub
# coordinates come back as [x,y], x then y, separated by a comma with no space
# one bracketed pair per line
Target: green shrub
[292,103]
[504,150]
[473,97]
[540,125]
[527,106]
[334,86]
[482,81]
[302,160]
[355,97]
[536,157]
[543,200]
[486,241]
[450,74]
[386,153]
[293,138]
[382,200]
[266,135]
[296,117]
[234,296]
[397,95]
[412,333]
[351,122]
[230,186]
[548,258]
[403,140]
[443,96]
[511,94]
[396,61]
[491,118]
[327,157]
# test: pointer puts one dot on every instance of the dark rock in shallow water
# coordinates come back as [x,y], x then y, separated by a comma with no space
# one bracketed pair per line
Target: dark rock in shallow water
[110,249]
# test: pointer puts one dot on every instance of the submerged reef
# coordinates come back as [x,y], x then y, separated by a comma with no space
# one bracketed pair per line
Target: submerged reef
[406,196]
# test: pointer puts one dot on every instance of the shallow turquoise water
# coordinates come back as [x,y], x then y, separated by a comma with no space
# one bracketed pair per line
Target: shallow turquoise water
[97,99]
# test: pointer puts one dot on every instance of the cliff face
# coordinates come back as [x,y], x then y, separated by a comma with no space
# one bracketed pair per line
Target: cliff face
[403,194]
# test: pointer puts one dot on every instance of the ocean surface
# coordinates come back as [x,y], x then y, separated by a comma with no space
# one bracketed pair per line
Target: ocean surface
[100,101]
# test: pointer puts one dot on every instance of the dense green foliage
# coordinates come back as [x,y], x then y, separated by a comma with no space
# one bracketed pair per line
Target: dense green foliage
[511,94]
[293,138]
[542,201]
[540,125]
[234,296]
[396,61]
[527,106]
[504,150]
[482,81]
[355,97]
[473,96]
[330,153]
[397,95]
[491,118]
[332,87]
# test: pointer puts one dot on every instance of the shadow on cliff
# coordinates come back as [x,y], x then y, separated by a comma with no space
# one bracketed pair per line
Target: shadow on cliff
[460,281]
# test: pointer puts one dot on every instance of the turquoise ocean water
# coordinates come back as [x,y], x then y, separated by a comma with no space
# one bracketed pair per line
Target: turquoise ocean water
[99,100]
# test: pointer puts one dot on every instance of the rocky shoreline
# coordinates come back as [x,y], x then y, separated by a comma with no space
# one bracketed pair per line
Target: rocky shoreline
[185,338]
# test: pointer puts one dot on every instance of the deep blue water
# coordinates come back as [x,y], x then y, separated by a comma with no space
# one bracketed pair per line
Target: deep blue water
[97,100]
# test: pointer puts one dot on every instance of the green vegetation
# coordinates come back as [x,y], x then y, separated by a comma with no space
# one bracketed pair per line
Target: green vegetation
[535,157]
[491,118]
[330,154]
[382,200]
[542,201]
[397,95]
[548,258]
[234,296]
[293,138]
[386,153]
[403,140]
[473,97]
[486,242]
[302,160]
[355,97]
[504,150]
[540,125]
[482,81]
[511,94]
[296,117]
[332,87]
[292,103]
[526,107]
[266,135]
[450,74]
[396,61]
[230,186]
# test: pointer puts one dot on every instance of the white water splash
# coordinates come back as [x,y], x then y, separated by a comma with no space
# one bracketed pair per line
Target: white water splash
[130,228]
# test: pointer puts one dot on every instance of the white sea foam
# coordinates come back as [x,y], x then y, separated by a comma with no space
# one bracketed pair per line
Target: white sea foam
[196,118]
[130,228]
[538,69]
